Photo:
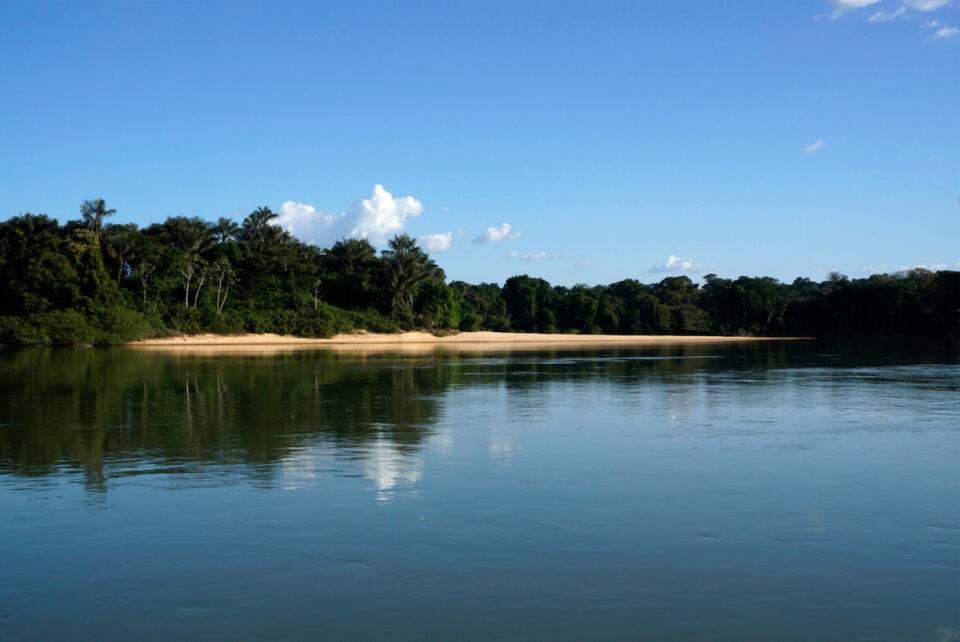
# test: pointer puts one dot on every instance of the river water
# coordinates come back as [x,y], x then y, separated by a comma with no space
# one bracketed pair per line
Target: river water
[789,491]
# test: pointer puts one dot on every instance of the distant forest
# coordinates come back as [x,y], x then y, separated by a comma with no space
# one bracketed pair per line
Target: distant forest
[92,282]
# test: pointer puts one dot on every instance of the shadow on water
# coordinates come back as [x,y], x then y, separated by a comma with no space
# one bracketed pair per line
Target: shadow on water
[82,410]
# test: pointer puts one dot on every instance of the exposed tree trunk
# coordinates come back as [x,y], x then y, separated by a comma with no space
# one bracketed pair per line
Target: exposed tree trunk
[196,294]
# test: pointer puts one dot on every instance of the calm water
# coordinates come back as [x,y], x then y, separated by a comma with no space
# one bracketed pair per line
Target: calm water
[776,491]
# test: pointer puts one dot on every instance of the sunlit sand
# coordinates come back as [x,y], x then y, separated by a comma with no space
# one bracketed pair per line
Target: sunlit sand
[420,342]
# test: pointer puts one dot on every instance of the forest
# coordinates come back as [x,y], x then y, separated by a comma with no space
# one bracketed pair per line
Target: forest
[90,281]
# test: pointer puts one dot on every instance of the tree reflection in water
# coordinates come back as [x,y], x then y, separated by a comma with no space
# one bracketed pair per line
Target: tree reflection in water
[110,413]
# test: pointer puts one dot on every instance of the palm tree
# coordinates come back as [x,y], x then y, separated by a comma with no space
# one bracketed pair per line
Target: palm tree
[93,212]
[225,229]
[259,233]
[192,235]
[408,266]
[255,226]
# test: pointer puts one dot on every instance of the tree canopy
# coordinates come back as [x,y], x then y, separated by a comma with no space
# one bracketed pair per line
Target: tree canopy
[89,281]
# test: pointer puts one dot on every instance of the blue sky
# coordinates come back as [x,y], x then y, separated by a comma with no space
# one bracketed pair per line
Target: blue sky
[615,140]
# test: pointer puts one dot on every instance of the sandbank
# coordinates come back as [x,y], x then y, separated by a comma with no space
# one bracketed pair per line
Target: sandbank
[422,341]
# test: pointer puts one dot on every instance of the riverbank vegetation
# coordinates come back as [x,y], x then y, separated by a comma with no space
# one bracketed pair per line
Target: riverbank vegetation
[93,282]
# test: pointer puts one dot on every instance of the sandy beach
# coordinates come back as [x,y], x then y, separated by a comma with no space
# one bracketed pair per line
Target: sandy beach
[421,341]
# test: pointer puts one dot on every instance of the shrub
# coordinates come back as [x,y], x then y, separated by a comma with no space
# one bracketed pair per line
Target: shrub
[119,325]
[63,327]
[373,321]
[18,331]
[187,320]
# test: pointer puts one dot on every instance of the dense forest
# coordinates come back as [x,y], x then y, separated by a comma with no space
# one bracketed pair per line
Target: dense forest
[90,281]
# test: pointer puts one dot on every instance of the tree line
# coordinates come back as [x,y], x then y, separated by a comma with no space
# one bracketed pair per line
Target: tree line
[90,281]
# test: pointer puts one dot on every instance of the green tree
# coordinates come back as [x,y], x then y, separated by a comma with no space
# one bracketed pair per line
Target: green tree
[120,244]
[93,212]
[225,229]
[408,267]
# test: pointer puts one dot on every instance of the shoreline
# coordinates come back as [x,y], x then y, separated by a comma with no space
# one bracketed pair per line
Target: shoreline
[425,340]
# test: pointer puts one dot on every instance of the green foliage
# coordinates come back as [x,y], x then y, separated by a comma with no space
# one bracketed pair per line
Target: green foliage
[90,282]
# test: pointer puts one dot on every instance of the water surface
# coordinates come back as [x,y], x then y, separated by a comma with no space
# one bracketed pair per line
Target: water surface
[762,491]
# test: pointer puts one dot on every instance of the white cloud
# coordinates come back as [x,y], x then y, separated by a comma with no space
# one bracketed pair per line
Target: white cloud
[497,234]
[529,258]
[840,7]
[946,32]
[935,267]
[583,263]
[676,265]
[814,147]
[887,16]
[926,5]
[376,219]
[436,242]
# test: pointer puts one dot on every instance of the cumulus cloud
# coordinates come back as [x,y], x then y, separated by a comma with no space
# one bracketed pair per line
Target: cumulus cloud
[376,219]
[814,147]
[497,234]
[676,265]
[436,242]
[529,258]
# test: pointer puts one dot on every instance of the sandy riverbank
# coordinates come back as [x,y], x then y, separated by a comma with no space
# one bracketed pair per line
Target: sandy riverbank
[420,341]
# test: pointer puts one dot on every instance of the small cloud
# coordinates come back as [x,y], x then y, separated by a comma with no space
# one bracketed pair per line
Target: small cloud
[840,7]
[583,263]
[676,265]
[942,30]
[934,267]
[872,269]
[886,16]
[436,242]
[497,234]
[945,32]
[926,5]
[814,147]
[529,258]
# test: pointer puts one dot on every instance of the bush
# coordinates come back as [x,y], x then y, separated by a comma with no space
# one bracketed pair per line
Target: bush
[63,328]
[469,320]
[226,323]
[119,325]
[373,321]
[187,320]
[17,331]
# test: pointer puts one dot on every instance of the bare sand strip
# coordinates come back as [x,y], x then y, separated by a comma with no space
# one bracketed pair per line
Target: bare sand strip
[420,342]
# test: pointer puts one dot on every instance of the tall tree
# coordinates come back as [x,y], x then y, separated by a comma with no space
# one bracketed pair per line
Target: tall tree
[408,266]
[93,212]
[223,273]
[192,235]
[225,229]
[258,231]
[120,243]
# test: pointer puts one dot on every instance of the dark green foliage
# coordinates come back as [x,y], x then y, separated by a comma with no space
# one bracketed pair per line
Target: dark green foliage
[89,282]
[407,269]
